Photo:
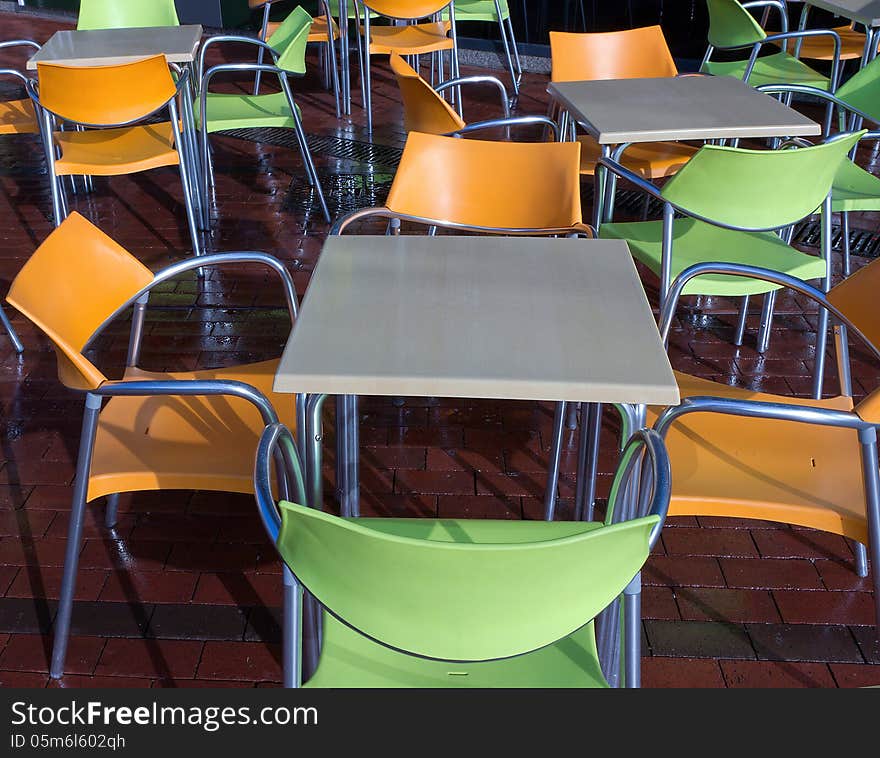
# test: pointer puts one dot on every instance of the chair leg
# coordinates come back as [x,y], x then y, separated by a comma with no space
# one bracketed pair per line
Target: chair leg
[334,72]
[518,62]
[868,440]
[190,209]
[111,510]
[821,343]
[13,336]
[861,559]
[553,463]
[74,535]
[741,324]
[588,463]
[311,171]
[844,231]
[506,44]
[292,618]
[766,321]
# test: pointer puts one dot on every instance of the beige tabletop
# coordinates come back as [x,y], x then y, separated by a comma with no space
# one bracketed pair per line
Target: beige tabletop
[481,317]
[865,12]
[104,47]
[678,108]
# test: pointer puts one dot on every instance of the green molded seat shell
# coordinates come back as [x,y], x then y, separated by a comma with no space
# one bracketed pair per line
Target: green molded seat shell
[478,10]
[349,659]
[694,241]
[247,111]
[462,590]
[862,90]
[779,68]
[290,39]
[122,14]
[731,25]
[855,189]
[757,189]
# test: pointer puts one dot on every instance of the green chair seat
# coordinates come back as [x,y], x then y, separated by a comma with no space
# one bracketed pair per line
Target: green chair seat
[772,69]
[247,111]
[695,242]
[348,659]
[855,189]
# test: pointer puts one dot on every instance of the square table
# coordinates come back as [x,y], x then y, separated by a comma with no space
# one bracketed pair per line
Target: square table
[114,46]
[617,112]
[486,317]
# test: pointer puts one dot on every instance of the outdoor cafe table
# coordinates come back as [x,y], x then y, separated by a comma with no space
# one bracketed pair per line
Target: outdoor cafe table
[618,112]
[104,47]
[470,317]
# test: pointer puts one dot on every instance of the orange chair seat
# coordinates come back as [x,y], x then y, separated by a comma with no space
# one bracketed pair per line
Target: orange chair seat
[110,152]
[852,45]
[763,469]
[413,39]
[650,160]
[17,117]
[190,443]
[317,32]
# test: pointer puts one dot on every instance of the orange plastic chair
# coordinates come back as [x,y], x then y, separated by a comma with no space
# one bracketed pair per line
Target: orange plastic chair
[108,106]
[189,430]
[482,186]
[810,463]
[423,32]
[424,110]
[630,54]
[324,30]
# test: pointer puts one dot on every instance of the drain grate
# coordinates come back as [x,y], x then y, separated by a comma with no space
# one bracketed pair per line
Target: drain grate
[334,147]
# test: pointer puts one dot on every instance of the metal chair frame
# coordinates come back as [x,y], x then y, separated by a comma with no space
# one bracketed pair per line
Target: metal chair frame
[508,40]
[184,140]
[636,491]
[205,78]
[867,432]
[171,387]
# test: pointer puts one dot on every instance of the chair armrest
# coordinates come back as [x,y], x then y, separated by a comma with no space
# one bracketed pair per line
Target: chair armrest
[799,35]
[223,38]
[804,89]
[482,79]
[624,173]
[509,121]
[20,43]
[277,439]
[13,72]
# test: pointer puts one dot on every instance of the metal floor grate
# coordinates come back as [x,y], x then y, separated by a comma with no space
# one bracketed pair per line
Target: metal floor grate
[343,193]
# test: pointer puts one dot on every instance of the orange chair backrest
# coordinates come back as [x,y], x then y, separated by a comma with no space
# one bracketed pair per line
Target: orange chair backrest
[514,185]
[105,95]
[856,298]
[406,8]
[423,109]
[69,286]
[630,54]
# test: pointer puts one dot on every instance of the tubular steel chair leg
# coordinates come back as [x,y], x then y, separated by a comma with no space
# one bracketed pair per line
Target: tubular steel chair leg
[13,336]
[262,36]
[844,231]
[632,633]
[334,69]
[74,534]
[366,82]
[861,559]
[512,37]
[571,416]
[741,323]
[506,45]
[766,321]
[311,171]
[868,440]
[292,630]
[588,463]
[821,343]
[111,510]
[553,463]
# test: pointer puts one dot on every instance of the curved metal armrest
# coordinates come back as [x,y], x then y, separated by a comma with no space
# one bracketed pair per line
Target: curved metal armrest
[191,387]
[508,121]
[214,259]
[804,414]
[752,272]
[249,67]
[13,72]
[222,38]
[276,438]
[654,448]
[624,173]
[778,4]
[384,212]
[800,35]
[481,79]
[803,89]
[20,43]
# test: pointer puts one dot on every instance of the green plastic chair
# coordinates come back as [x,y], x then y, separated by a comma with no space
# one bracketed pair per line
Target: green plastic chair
[221,112]
[730,200]
[457,602]
[126,14]
[732,27]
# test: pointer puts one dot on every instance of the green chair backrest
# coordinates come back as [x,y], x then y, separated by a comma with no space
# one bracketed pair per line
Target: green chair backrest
[757,189]
[862,90]
[123,14]
[731,25]
[464,600]
[290,40]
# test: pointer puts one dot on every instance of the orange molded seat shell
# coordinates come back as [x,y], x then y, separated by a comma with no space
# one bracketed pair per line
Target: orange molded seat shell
[111,152]
[413,39]
[423,109]
[630,54]
[106,95]
[520,185]
[650,160]
[764,469]
[17,117]
[190,443]
[406,8]
[86,260]
[852,45]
